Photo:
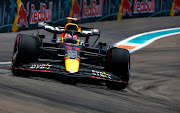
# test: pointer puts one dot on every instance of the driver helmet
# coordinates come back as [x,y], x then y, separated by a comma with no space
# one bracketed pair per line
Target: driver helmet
[68,39]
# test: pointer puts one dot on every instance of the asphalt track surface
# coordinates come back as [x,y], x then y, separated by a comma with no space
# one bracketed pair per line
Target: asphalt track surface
[153,87]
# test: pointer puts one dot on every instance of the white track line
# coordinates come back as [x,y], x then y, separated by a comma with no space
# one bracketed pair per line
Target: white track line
[4,63]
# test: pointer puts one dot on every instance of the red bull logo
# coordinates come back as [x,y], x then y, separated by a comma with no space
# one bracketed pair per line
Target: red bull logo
[177,6]
[92,10]
[22,15]
[41,15]
[126,7]
[76,10]
[144,7]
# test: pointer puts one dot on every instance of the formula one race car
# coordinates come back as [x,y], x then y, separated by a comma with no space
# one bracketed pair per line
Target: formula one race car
[69,56]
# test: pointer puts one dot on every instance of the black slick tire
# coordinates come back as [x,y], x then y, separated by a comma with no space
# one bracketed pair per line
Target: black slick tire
[119,64]
[26,50]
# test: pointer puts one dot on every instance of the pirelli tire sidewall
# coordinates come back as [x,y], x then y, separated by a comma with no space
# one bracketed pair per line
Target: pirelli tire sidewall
[119,62]
[26,49]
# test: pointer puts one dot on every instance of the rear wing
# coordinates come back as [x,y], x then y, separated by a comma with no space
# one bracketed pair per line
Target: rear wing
[60,29]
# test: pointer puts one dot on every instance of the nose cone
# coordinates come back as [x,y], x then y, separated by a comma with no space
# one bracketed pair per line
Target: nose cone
[72,65]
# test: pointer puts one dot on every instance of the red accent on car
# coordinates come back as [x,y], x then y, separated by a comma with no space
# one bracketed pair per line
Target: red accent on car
[17,42]
[46,70]
[32,70]
[22,68]
[98,78]
[76,48]
[125,82]
[40,70]
[78,60]
[36,70]
[93,76]
[65,58]
[69,47]
[104,78]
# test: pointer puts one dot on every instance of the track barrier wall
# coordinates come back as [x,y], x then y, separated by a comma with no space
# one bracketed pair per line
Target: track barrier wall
[25,14]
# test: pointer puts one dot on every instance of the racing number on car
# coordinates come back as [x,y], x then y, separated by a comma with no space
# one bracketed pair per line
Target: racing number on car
[72,54]
[102,74]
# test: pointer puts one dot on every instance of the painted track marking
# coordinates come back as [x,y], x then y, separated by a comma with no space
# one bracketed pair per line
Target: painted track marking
[139,41]
[4,63]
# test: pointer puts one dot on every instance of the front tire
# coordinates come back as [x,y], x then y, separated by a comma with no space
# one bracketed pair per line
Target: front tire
[119,64]
[26,49]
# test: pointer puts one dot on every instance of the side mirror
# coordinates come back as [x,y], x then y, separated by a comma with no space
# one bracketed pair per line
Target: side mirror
[96,32]
[41,24]
[41,36]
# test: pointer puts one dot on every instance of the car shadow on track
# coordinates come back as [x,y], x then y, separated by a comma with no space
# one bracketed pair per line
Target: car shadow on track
[75,81]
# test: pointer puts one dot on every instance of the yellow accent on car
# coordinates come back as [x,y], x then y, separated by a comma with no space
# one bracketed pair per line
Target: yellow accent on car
[78,41]
[72,65]
[104,74]
[78,28]
[47,65]
[62,40]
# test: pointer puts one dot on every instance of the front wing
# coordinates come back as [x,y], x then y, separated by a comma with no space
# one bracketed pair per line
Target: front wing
[83,72]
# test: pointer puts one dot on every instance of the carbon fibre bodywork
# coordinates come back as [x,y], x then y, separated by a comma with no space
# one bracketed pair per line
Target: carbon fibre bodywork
[51,59]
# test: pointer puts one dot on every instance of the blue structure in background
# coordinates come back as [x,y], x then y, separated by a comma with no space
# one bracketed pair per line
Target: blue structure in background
[0,15]
[12,10]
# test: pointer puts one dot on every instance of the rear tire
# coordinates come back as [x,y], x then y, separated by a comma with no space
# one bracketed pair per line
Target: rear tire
[26,49]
